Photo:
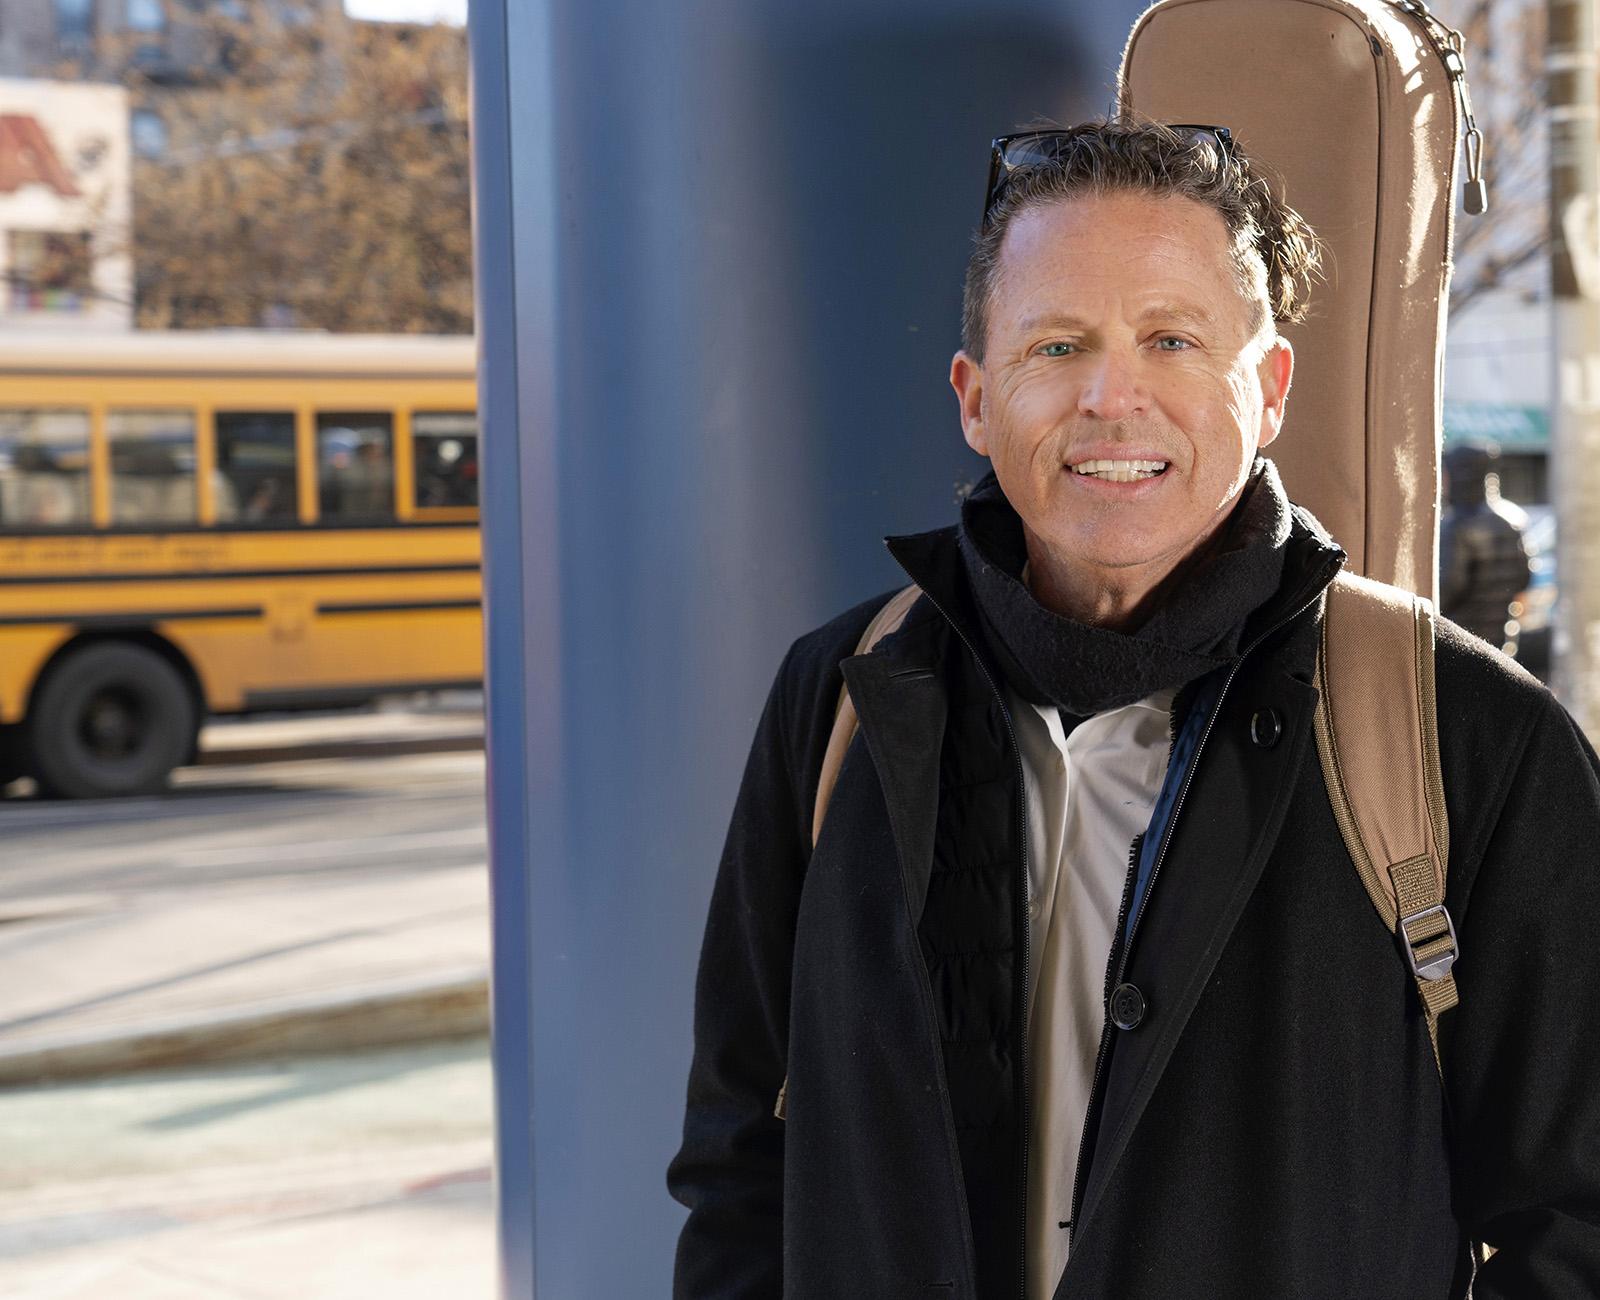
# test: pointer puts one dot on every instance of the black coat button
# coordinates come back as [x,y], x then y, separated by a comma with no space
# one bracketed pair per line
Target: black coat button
[1265,728]
[1127,1006]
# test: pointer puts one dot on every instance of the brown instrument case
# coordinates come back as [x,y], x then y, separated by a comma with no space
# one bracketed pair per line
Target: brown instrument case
[1358,107]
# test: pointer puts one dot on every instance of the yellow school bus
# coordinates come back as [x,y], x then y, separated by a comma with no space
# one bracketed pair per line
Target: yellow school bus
[206,523]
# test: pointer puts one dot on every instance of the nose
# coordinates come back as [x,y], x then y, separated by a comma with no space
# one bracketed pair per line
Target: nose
[1112,389]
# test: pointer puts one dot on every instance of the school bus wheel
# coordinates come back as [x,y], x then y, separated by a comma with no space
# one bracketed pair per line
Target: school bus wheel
[112,718]
[13,755]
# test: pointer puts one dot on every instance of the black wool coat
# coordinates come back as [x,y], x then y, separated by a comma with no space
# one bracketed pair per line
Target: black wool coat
[1274,1126]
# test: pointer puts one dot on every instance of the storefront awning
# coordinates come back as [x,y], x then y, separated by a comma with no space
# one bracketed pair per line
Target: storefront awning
[1514,428]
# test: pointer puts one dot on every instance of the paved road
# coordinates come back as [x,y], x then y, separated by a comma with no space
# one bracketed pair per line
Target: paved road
[409,813]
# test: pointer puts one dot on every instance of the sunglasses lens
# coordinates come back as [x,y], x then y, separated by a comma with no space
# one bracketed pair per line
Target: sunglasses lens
[1033,151]
[1209,137]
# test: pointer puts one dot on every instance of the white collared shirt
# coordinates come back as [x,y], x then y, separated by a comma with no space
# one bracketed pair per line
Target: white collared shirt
[1088,794]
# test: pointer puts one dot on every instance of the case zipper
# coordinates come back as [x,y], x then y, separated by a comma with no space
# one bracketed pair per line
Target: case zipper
[1450,45]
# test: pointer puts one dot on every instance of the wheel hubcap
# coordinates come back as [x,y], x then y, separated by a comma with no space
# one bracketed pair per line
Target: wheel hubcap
[113,723]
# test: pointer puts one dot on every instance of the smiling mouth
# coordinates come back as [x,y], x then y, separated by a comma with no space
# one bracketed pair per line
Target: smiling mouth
[1119,471]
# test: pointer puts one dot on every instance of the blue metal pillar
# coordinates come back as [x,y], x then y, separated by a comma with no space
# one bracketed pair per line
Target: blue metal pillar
[719,250]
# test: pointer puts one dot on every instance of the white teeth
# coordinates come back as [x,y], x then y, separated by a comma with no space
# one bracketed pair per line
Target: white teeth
[1120,471]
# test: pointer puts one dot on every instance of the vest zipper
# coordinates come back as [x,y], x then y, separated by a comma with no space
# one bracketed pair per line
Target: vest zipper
[1021,1010]
[1117,963]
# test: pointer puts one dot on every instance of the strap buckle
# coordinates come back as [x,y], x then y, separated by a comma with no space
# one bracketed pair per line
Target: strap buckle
[1430,961]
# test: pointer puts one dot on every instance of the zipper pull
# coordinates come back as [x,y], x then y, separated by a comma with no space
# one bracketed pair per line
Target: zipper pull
[1474,190]
[1451,50]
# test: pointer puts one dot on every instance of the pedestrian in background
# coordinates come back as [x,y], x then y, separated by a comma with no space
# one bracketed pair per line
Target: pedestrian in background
[1483,565]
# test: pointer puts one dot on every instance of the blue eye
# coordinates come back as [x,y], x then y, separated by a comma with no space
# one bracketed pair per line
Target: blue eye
[1057,349]
[1183,344]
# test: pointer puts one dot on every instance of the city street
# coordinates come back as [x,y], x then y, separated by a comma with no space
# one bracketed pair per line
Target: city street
[303,904]
[393,815]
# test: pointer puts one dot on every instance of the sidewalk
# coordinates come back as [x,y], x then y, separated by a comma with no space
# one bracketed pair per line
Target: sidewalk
[433,1240]
[224,938]
[104,985]
[242,1051]
[337,1178]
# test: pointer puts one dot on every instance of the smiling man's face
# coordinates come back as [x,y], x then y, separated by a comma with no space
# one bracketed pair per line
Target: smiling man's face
[1125,386]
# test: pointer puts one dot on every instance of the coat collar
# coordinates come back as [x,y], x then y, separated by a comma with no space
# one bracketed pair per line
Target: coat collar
[899,694]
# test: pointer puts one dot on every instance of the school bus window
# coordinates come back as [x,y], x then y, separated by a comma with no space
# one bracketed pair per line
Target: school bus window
[445,447]
[44,468]
[255,467]
[152,466]
[355,465]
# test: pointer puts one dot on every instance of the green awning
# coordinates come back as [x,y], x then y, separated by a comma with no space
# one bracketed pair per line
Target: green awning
[1515,428]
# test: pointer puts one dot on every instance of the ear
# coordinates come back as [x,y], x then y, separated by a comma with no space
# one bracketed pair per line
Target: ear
[966,377]
[1275,369]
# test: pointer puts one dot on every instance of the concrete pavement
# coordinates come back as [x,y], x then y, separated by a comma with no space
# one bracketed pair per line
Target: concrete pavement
[242,932]
[340,1178]
[169,970]
[112,984]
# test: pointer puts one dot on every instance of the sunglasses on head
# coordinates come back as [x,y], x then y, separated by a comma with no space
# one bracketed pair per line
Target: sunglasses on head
[1010,154]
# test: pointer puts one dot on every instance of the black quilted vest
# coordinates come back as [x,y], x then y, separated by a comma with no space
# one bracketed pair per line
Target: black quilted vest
[973,931]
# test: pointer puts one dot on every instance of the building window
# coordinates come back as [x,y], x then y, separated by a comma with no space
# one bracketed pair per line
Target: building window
[74,21]
[49,270]
[149,133]
[145,16]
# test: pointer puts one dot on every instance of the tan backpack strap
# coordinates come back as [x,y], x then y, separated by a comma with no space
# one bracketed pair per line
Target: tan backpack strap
[1377,736]
[885,621]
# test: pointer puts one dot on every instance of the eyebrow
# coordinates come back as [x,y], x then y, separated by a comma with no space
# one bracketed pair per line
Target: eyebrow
[1183,313]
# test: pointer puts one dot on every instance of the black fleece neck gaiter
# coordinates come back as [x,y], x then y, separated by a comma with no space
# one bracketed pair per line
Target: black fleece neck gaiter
[1083,669]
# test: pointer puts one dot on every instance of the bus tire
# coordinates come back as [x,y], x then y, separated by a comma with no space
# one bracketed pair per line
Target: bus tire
[110,719]
[13,754]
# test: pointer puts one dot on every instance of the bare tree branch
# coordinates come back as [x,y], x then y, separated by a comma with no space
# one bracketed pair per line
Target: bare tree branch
[322,179]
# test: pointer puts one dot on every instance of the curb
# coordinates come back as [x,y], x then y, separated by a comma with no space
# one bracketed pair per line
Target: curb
[377,747]
[418,1010]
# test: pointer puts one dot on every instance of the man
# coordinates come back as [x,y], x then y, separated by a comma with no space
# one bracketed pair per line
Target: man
[1078,993]
[1483,565]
